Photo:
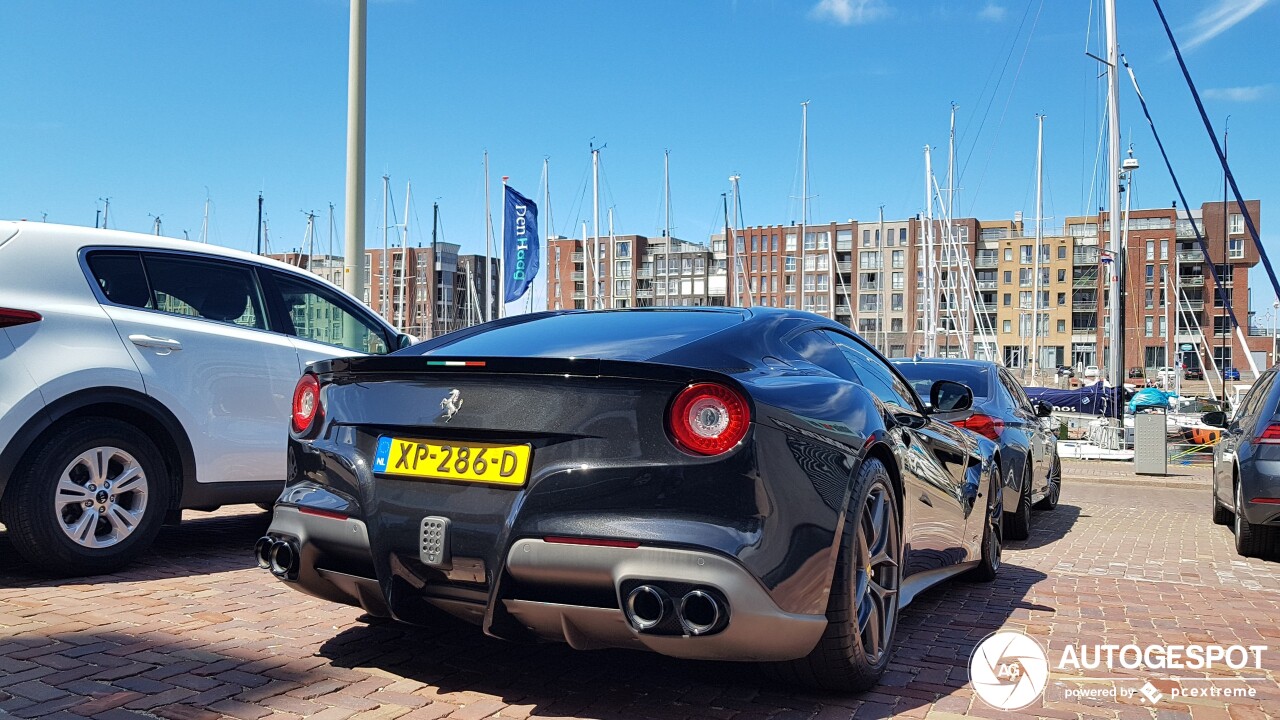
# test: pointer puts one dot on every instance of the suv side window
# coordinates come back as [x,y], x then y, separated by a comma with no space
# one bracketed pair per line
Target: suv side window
[121,278]
[321,315]
[218,291]
[875,373]
[1254,399]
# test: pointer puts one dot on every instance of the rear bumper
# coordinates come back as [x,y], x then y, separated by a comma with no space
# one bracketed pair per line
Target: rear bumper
[560,592]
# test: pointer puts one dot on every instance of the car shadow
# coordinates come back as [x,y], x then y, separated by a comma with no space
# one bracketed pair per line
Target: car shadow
[1049,526]
[203,543]
[936,637]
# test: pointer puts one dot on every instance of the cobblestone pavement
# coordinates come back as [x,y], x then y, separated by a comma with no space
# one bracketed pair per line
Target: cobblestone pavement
[197,632]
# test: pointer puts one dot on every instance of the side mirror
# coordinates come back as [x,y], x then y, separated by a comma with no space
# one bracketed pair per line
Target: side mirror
[406,340]
[1043,409]
[948,396]
[1217,418]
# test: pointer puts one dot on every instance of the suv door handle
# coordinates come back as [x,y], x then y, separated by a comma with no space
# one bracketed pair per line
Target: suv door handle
[148,341]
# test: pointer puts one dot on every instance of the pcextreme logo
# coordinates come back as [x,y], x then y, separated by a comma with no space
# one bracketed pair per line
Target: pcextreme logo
[1008,670]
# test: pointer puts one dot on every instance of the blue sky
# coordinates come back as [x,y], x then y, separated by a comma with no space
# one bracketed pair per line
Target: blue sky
[153,104]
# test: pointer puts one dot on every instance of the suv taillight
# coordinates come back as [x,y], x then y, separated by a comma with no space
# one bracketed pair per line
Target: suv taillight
[985,425]
[708,419]
[1270,435]
[306,403]
[10,317]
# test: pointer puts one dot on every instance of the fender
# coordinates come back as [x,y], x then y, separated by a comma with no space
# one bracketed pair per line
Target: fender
[143,405]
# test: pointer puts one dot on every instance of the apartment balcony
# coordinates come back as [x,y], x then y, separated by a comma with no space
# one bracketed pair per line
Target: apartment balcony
[988,284]
[644,293]
[1185,230]
[1195,256]
[576,276]
[644,273]
[1192,304]
[576,257]
[844,266]
[870,287]
[579,295]
[985,307]
[1084,306]
[843,310]
[1191,280]
[1089,281]
[1079,258]
[987,261]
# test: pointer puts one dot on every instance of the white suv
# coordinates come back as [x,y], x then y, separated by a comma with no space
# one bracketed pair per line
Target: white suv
[140,376]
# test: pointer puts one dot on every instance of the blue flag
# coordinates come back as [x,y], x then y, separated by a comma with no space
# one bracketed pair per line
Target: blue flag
[520,244]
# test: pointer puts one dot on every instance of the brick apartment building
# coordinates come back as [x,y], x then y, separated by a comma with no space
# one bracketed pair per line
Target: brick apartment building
[871,276]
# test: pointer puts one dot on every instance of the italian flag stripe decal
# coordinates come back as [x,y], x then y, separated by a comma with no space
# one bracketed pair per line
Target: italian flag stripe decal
[456,363]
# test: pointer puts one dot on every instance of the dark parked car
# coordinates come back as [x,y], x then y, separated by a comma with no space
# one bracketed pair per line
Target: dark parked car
[1002,412]
[727,484]
[1230,373]
[1066,371]
[1246,483]
[1193,373]
[1135,372]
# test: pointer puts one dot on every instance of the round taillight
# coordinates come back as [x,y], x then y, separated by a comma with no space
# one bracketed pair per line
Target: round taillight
[708,419]
[306,403]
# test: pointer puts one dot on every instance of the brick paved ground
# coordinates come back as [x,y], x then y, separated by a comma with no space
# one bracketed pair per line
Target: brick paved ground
[196,631]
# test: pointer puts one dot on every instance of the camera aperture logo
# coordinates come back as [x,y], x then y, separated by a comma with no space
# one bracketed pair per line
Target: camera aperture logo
[1009,670]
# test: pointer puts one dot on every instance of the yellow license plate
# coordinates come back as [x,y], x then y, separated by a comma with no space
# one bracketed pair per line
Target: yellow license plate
[467,462]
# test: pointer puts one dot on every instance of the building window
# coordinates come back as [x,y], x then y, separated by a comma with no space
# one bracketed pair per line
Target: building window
[1008,277]
[623,249]
[1150,298]
[1024,254]
[1149,325]
[1062,326]
[1163,330]
[1008,299]
[1008,254]
[1024,277]
[791,245]
[1062,252]
[895,303]
[1235,248]
[1164,249]
[1008,324]
[1062,275]
[1062,298]
[1151,274]
[1151,249]
[896,281]
[1237,224]
[810,241]
[899,258]
[866,238]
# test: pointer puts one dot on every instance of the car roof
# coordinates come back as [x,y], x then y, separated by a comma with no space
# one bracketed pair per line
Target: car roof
[967,362]
[74,237]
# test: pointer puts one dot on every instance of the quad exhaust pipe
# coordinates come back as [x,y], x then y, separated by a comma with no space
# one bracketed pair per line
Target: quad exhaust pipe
[696,612]
[278,556]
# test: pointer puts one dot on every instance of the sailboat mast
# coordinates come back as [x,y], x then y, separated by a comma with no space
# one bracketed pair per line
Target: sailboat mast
[546,232]
[104,222]
[204,224]
[882,346]
[595,227]
[1115,356]
[404,264]
[332,225]
[804,178]
[724,198]
[930,289]
[611,289]
[488,243]
[382,279]
[436,305]
[666,231]
[1035,279]
[589,277]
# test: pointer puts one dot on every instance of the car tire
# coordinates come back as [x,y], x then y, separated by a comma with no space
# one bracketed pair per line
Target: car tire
[1017,524]
[1050,500]
[1221,515]
[1258,541]
[45,510]
[862,612]
[992,534]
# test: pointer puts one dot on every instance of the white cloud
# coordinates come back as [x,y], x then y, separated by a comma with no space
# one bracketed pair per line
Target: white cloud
[1219,18]
[850,12]
[992,12]
[1238,94]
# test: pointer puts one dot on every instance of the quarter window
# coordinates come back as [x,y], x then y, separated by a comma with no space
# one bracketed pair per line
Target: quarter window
[319,314]
[876,375]
[121,278]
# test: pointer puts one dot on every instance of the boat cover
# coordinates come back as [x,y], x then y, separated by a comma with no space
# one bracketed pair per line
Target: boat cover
[1096,399]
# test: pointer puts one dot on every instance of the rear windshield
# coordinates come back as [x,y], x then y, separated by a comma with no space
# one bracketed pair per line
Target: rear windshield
[624,335]
[922,375]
